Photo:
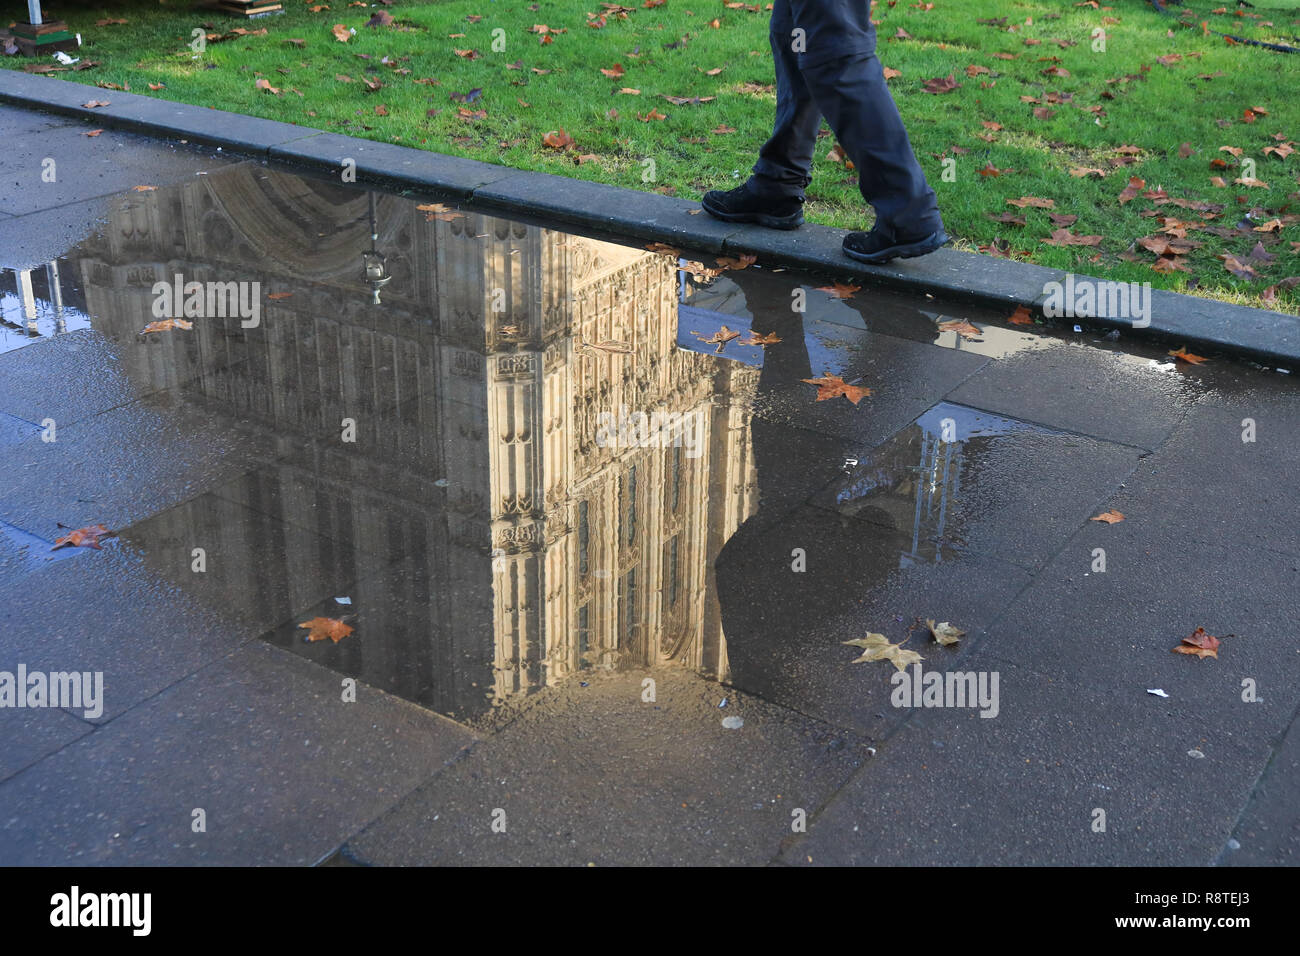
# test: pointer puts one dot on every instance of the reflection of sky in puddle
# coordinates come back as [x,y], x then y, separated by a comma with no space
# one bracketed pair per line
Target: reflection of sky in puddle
[32,306]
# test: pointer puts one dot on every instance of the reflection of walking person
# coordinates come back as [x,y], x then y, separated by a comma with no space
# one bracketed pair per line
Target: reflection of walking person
[825,53]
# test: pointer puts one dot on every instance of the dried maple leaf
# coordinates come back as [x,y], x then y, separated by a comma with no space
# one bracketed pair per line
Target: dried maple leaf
[876,647]
[1185,356]
[664,249]
[1063,237]
[840,290]
[1131,190]
[83,537]
[326,628]
[719,338]
[961,327]
[265,84]
[743,261]
[700,270]
[558,139]
[1110,517]
[1081,171]
[1032,201]
[759,338]
[165,325]
[341,33]
[1199,644]
[1021,316]
[944,633]
[832,386]
[940,84]
[615,71]
[654,114]
[439,211]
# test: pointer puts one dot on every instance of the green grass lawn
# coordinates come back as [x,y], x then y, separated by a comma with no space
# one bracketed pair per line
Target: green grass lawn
[1157,103]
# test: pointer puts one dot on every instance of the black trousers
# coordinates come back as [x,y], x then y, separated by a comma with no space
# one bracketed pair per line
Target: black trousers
[826,65]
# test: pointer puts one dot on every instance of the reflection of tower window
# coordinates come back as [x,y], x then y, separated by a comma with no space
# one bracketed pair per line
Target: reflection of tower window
[629,505]
[675,482]
[670,570]
[627,604]
[584,539]
[584,636]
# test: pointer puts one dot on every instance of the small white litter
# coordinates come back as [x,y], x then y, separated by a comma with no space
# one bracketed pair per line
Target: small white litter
[733,723]
[1195,753]
[343,600]
[1157,691]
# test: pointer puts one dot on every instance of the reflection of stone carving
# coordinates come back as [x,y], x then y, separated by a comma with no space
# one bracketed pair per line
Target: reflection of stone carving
[446,390]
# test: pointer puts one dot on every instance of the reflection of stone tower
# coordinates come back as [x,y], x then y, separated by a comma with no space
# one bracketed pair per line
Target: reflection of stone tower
[475,389]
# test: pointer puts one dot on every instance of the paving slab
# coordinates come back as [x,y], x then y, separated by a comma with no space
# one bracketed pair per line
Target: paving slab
[970,491]
[906,379]
[952,788]
[122,465]
[260,740]
[1107,395]
[1268,833]
[1225,492]
[86,167]
[785,627]
[1151,597]
[146,610]
[596,775]
[30,241]
[31,735]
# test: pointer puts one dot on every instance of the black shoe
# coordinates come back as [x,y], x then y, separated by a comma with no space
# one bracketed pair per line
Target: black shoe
[875,248]
[742,204]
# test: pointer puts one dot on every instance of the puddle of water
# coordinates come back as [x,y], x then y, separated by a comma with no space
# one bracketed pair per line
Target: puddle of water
[503,444]
[908,483]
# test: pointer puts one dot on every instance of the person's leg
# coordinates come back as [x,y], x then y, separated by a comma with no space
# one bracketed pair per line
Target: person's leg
[851,92]
[847,83]
[773,196]
[784,164]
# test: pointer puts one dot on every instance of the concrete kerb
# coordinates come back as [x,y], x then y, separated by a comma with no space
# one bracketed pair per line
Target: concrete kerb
[1204,324]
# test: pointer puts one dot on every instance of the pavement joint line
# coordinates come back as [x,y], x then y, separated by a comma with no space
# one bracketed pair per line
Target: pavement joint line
[1286,731]
[1061,430]
[1209,324]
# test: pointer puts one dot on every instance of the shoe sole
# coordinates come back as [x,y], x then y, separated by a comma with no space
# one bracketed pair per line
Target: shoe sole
[763,219]
[910,250]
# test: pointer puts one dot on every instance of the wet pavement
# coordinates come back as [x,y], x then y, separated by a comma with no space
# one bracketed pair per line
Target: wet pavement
[575,640]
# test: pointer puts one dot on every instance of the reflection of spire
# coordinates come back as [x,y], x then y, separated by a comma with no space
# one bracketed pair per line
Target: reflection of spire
[937,476]
[28,298]
[56,296]
[373,262]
